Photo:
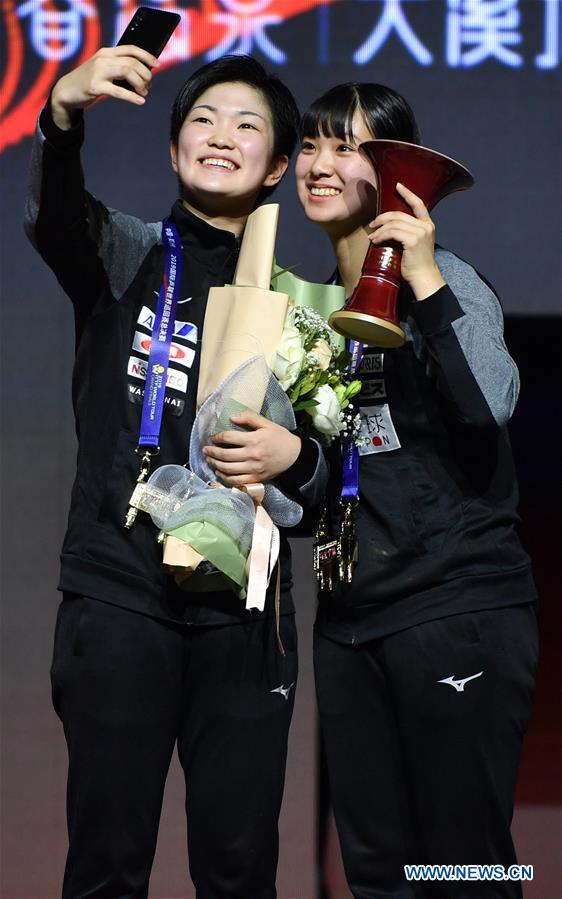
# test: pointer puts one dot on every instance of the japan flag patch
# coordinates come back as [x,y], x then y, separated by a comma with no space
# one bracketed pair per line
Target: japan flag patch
[377,430]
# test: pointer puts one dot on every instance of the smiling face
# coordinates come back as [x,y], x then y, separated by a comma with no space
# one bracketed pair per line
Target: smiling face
[224,152]
[336,185]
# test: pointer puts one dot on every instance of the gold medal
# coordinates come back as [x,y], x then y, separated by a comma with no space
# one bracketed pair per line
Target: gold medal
[335,559]
[135,502]
[348,543]
[326,556]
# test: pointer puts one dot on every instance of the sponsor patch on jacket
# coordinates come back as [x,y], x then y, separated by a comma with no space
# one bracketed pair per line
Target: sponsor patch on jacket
[175,380]
[173,404]
[373,389]
[180,355]
[371,362]
[185,330]
[378,430]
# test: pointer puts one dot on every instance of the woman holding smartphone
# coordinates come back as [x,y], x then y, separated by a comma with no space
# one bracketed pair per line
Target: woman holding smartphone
[425,661]
[141,667]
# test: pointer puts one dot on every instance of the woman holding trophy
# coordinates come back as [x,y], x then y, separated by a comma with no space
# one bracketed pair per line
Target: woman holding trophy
[425,639]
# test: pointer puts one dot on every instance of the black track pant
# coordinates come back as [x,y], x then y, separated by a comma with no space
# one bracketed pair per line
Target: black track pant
[422,766]
[128,688]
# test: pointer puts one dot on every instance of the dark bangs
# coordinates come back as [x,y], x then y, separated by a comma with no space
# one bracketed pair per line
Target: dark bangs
[387,114]
[332,114]
[245,70]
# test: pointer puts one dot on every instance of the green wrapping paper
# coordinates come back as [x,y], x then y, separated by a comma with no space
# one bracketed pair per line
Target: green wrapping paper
[217,546]
[233,407]
[322,298]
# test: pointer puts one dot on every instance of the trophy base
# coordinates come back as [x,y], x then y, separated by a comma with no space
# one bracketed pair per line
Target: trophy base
[367,329]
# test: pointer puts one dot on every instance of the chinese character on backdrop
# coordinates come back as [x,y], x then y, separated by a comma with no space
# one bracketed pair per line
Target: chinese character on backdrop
[479,29]
[392,18]
[56,34]
[246,23]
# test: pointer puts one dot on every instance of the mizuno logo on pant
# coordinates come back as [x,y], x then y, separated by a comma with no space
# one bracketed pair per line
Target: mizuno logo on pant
[458,684]
[283,690]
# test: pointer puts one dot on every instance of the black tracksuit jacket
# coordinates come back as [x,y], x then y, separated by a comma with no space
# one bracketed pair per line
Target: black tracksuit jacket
[437,514]
[111,266]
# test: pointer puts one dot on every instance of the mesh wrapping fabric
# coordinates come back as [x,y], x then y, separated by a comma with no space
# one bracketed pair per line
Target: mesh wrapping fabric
[180,497]
[174,486]
[250,387]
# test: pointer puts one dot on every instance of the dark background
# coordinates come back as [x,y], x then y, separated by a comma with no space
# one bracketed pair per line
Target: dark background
[504,123]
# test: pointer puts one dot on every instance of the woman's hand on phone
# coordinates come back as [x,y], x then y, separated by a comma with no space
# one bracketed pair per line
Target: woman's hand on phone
[95,78]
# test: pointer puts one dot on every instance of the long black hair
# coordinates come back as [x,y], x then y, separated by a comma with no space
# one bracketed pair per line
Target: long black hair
[387,114]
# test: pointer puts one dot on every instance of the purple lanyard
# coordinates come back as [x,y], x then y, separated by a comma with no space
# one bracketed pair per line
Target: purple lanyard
[350,473]
[157,368]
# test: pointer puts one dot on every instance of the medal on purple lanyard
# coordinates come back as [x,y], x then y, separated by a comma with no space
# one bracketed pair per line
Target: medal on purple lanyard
[336,559]
[350,487]
[157,368]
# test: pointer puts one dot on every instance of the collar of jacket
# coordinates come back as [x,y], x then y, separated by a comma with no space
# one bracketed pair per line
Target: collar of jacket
[197,234]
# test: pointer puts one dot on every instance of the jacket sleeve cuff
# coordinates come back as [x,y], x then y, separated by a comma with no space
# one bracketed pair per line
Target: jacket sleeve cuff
[303,468]
[55,136]
[437,311]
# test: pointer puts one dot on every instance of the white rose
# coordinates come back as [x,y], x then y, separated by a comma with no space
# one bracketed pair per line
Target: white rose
[288,359]
[321,354]
[326,415]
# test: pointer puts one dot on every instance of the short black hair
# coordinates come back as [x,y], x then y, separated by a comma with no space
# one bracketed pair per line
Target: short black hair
[246,70]
[387,114]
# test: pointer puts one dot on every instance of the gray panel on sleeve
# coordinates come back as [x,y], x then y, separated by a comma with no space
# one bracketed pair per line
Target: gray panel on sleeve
[125,242]
[480,335]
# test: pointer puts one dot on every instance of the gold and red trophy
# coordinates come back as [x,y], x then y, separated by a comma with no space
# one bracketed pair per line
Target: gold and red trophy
[370,314]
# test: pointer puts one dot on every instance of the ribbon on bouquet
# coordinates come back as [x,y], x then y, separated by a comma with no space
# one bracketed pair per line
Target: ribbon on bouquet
[263,557]
[264,552]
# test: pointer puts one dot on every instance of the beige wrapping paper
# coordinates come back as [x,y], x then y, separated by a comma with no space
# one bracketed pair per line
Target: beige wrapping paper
[182,561]
[246,318]
[178,554]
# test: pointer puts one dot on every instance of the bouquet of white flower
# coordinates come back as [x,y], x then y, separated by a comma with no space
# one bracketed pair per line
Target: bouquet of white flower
[311,369]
